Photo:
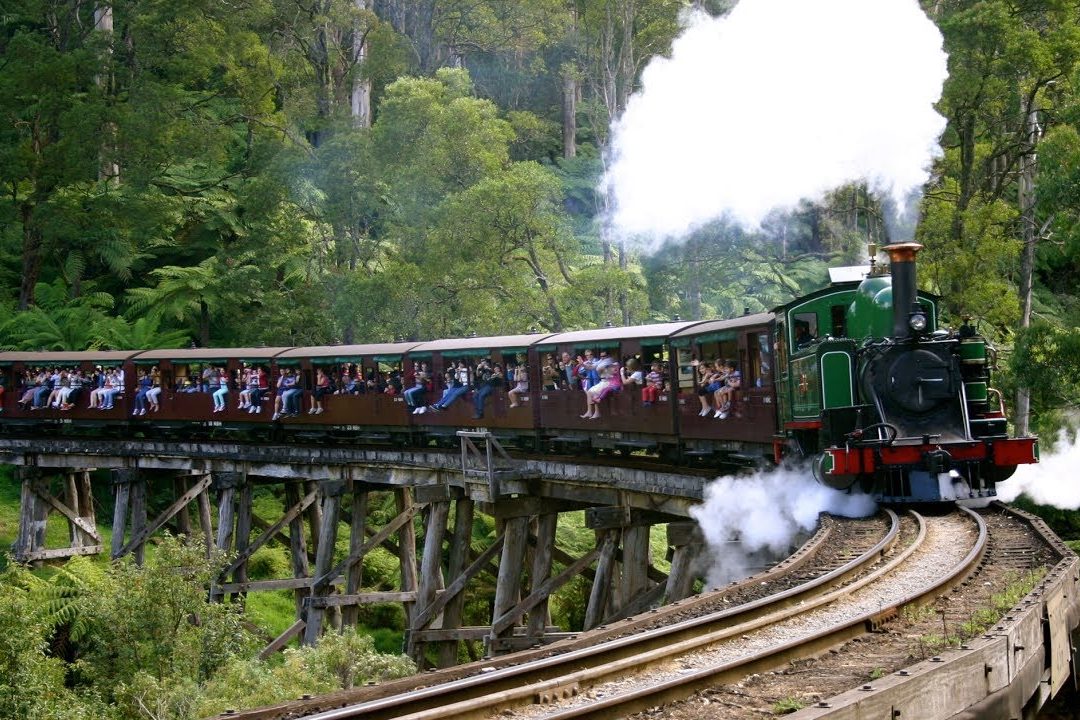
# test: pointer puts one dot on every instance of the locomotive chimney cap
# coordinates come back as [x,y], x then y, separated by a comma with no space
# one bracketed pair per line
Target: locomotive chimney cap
[903,252]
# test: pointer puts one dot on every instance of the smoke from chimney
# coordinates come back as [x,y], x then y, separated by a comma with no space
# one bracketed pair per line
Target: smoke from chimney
[777,101]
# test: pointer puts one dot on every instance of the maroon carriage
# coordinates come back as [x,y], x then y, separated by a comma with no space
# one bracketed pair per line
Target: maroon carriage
[56,387]
[747,428]
[465,391]
[348,389]
[191,383]
[623,419]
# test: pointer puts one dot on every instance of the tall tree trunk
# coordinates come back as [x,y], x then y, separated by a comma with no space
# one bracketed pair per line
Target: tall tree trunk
[545,288]
[319,57]
[569,125]
[606,231]
[415,19]
[626,56]
[1027,261]
[204,324]
[31,256]
[624,297]
[693,290]
[361,89]
[108,168]
[965,126]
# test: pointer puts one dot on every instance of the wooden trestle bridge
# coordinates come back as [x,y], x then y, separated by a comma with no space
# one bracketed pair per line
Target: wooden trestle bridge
[326,487]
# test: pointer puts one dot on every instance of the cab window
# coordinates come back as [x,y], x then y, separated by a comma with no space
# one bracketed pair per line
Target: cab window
[838,315]
[804,329]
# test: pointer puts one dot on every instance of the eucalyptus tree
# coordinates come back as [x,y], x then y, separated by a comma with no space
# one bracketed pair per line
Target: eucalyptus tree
[501,252]
[125,149]
[447,33]
[619,38]
[52,107]
[433,137]
[1007,62]
[1008,66]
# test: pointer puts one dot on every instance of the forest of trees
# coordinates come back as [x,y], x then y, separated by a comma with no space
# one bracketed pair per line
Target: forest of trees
[290,172]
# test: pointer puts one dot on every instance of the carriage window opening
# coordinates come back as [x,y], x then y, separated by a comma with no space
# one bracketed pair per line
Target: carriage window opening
[805,329]
[684,357]
[765,359]
[187,377]
[649,356]
[759,369]
[839,321]
[388,374]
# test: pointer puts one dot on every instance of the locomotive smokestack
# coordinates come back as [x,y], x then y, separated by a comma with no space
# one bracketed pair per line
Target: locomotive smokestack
[902,264]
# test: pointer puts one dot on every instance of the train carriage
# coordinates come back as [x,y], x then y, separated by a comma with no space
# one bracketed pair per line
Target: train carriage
[746,433]
[366,413]
[185,399]
[506,351]
[624,424]
[14,367]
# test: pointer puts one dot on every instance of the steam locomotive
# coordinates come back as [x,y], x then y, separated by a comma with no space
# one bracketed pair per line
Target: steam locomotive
[856,379]
[890,404]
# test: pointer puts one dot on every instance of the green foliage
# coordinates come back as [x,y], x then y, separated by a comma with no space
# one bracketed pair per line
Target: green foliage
[32,683]
[121,641]
[339,661]
[272,611]
[1046,359]
[508,242]
[787,705]
[972,276]
[269,562]
[155,621]
[1064,523]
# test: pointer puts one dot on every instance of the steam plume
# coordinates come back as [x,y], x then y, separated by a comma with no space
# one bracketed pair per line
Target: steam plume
[778,101]
[1052,481]
[765,512]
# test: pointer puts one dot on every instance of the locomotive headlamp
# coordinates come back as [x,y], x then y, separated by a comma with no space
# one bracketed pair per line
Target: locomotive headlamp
[917,322]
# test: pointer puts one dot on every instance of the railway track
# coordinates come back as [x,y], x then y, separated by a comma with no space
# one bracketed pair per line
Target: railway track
[605,680]
[895,666]
[943,552]
[838,550]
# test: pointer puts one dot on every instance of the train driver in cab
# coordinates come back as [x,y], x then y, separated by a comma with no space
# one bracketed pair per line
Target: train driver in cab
[802,334]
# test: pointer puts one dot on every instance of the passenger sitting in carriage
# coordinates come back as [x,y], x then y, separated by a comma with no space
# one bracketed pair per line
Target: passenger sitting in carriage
[521,382]
[609,379]
[726,394]
[654,381]
[457,384]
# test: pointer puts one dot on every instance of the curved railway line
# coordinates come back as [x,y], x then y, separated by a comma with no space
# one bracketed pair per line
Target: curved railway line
[849,579]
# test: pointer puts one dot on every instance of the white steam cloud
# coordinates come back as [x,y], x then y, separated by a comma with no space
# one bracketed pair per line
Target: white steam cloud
[742,517]
[778,101]
[1050,482]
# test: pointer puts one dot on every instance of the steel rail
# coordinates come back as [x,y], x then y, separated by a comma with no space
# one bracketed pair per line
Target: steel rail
[681,687]
[829,707]
[477,695]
